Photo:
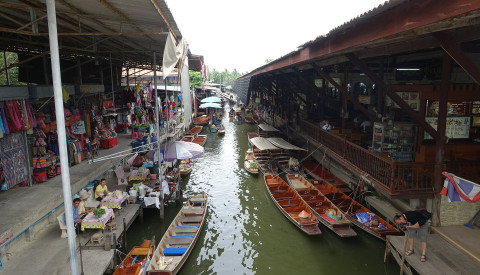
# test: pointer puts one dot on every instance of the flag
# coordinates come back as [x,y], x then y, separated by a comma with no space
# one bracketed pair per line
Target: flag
[171,54]
[458,189]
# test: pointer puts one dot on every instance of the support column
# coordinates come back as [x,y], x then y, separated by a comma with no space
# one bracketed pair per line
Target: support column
[62,137]
[157,126]
[440,141]
[6,67]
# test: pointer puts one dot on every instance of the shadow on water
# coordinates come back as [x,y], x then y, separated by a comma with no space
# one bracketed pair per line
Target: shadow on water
[245,233]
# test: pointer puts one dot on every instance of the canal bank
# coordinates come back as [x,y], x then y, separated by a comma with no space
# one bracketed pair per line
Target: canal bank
[244,231]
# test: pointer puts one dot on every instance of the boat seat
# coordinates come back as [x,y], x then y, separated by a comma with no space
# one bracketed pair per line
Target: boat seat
[190,219]
[174,251]
[180,229]
[176,241]
[181,236]
[193,211]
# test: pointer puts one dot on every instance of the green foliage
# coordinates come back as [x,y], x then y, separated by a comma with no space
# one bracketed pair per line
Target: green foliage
[225,77]
[268,60]
[12,73]
[98,212]
[195,79]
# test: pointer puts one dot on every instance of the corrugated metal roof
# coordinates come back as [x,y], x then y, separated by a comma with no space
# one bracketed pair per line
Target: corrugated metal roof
[281,143]
[129,30]
[262,144]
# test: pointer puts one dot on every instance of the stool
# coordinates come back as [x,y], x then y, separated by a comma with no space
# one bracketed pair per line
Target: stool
[96,238]
[111,226]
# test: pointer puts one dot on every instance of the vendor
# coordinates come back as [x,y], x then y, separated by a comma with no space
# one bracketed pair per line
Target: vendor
[101,191]
[82,210]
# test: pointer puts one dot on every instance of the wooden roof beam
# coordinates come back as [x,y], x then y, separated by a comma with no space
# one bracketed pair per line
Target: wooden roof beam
[160,12]
[456,53]
[344,93]
[394,96]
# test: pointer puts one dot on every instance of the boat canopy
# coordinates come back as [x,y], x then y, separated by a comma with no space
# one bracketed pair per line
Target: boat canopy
[262,144]
[281,143]
[267,128]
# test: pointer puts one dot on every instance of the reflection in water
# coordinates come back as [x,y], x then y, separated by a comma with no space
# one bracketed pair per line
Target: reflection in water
[245,233]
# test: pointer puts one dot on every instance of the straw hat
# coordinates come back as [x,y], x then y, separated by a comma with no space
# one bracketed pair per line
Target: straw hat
[84,195]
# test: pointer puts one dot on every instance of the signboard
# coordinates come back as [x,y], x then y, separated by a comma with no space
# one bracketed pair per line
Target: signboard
[411,98]
[364,99]
[78,128]
[457,127]
[92,89]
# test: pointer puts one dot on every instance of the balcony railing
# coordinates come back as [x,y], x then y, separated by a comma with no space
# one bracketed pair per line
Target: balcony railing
[394,177]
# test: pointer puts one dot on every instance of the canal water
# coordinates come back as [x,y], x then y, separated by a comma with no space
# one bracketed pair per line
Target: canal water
[245,233]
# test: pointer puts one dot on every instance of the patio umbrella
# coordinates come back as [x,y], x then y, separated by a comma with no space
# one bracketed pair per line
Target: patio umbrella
[210,105]
[211,99]
[182,150]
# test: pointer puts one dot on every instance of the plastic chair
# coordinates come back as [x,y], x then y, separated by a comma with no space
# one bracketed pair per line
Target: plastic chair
[122,177]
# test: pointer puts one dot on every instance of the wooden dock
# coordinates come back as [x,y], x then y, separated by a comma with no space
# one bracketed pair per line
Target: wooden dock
[442,257]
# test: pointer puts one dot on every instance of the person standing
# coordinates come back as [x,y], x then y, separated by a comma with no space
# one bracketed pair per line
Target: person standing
[416,224]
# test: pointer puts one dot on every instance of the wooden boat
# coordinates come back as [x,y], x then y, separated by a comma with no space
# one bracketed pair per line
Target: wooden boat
[251,135]
[185,167]
[136,260]
[194,131]
[352,208]
[319,173]
[250,164]
[201,120]
[220,130]
[325,211]
[249,120]
[198,139]
[180,238]
[291,205]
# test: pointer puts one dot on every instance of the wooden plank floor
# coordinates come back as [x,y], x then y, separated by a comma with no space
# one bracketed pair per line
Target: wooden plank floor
[463,238]
[442,257]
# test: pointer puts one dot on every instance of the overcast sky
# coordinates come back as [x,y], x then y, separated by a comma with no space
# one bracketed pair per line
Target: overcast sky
[243,34]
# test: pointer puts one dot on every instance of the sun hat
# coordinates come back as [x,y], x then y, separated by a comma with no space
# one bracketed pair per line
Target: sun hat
[84,195]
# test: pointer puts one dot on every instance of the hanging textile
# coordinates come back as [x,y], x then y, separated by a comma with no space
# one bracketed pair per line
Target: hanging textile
[13,158]
[458,189]
[171,54]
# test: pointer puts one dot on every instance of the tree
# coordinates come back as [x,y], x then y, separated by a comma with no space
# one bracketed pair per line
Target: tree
[195,79]
[12,73]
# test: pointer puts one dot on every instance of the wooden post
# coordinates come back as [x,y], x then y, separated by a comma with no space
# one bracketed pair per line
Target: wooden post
[162,204]
[386,249]
[114,237]
[441,140]
[402,263]
[124,233]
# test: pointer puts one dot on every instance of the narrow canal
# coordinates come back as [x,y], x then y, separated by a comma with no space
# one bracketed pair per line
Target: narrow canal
[245,233]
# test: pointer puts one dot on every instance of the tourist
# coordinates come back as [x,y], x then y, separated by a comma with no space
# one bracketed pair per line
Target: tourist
[101,190]
[416,224]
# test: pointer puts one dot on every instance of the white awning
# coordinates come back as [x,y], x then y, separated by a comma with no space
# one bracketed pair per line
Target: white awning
[281,143]
[262,144]
[267,128]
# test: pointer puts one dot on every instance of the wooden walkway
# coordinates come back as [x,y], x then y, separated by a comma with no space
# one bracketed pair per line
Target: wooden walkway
[442,257]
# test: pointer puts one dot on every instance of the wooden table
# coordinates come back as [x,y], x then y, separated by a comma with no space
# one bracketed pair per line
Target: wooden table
[113,201]
[92,222]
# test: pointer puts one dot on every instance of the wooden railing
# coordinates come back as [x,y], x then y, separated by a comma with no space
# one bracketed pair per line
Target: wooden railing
[391,175]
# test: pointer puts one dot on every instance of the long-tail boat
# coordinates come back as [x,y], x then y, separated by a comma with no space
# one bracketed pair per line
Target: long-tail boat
[325,211]
[291,205]
[136,260]
[180,238]
[358,214]
[195,130]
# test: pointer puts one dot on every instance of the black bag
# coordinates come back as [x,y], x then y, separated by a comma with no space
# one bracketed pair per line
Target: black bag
[427,215]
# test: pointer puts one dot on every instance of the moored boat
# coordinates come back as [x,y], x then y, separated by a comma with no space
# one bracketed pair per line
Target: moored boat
[185,167]
[201,120]
[195,130]
[198,139]
[320,173]
[213,128]
[250,164]
[358,214]
[220,130]
[249,120]
[136,260]
[325,211]
[180,238]
[291,205]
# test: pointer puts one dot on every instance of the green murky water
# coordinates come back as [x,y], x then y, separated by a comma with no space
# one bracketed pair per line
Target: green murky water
[245,233]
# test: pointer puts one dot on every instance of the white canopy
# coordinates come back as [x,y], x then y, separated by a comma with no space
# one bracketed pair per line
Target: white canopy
[267,128]
[262,144]
[281,143]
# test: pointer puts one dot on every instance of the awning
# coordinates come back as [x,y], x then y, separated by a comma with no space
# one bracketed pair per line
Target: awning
[267,128]
[281,143]
[262,144]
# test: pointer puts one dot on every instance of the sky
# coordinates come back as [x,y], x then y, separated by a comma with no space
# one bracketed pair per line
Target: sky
[243,34]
